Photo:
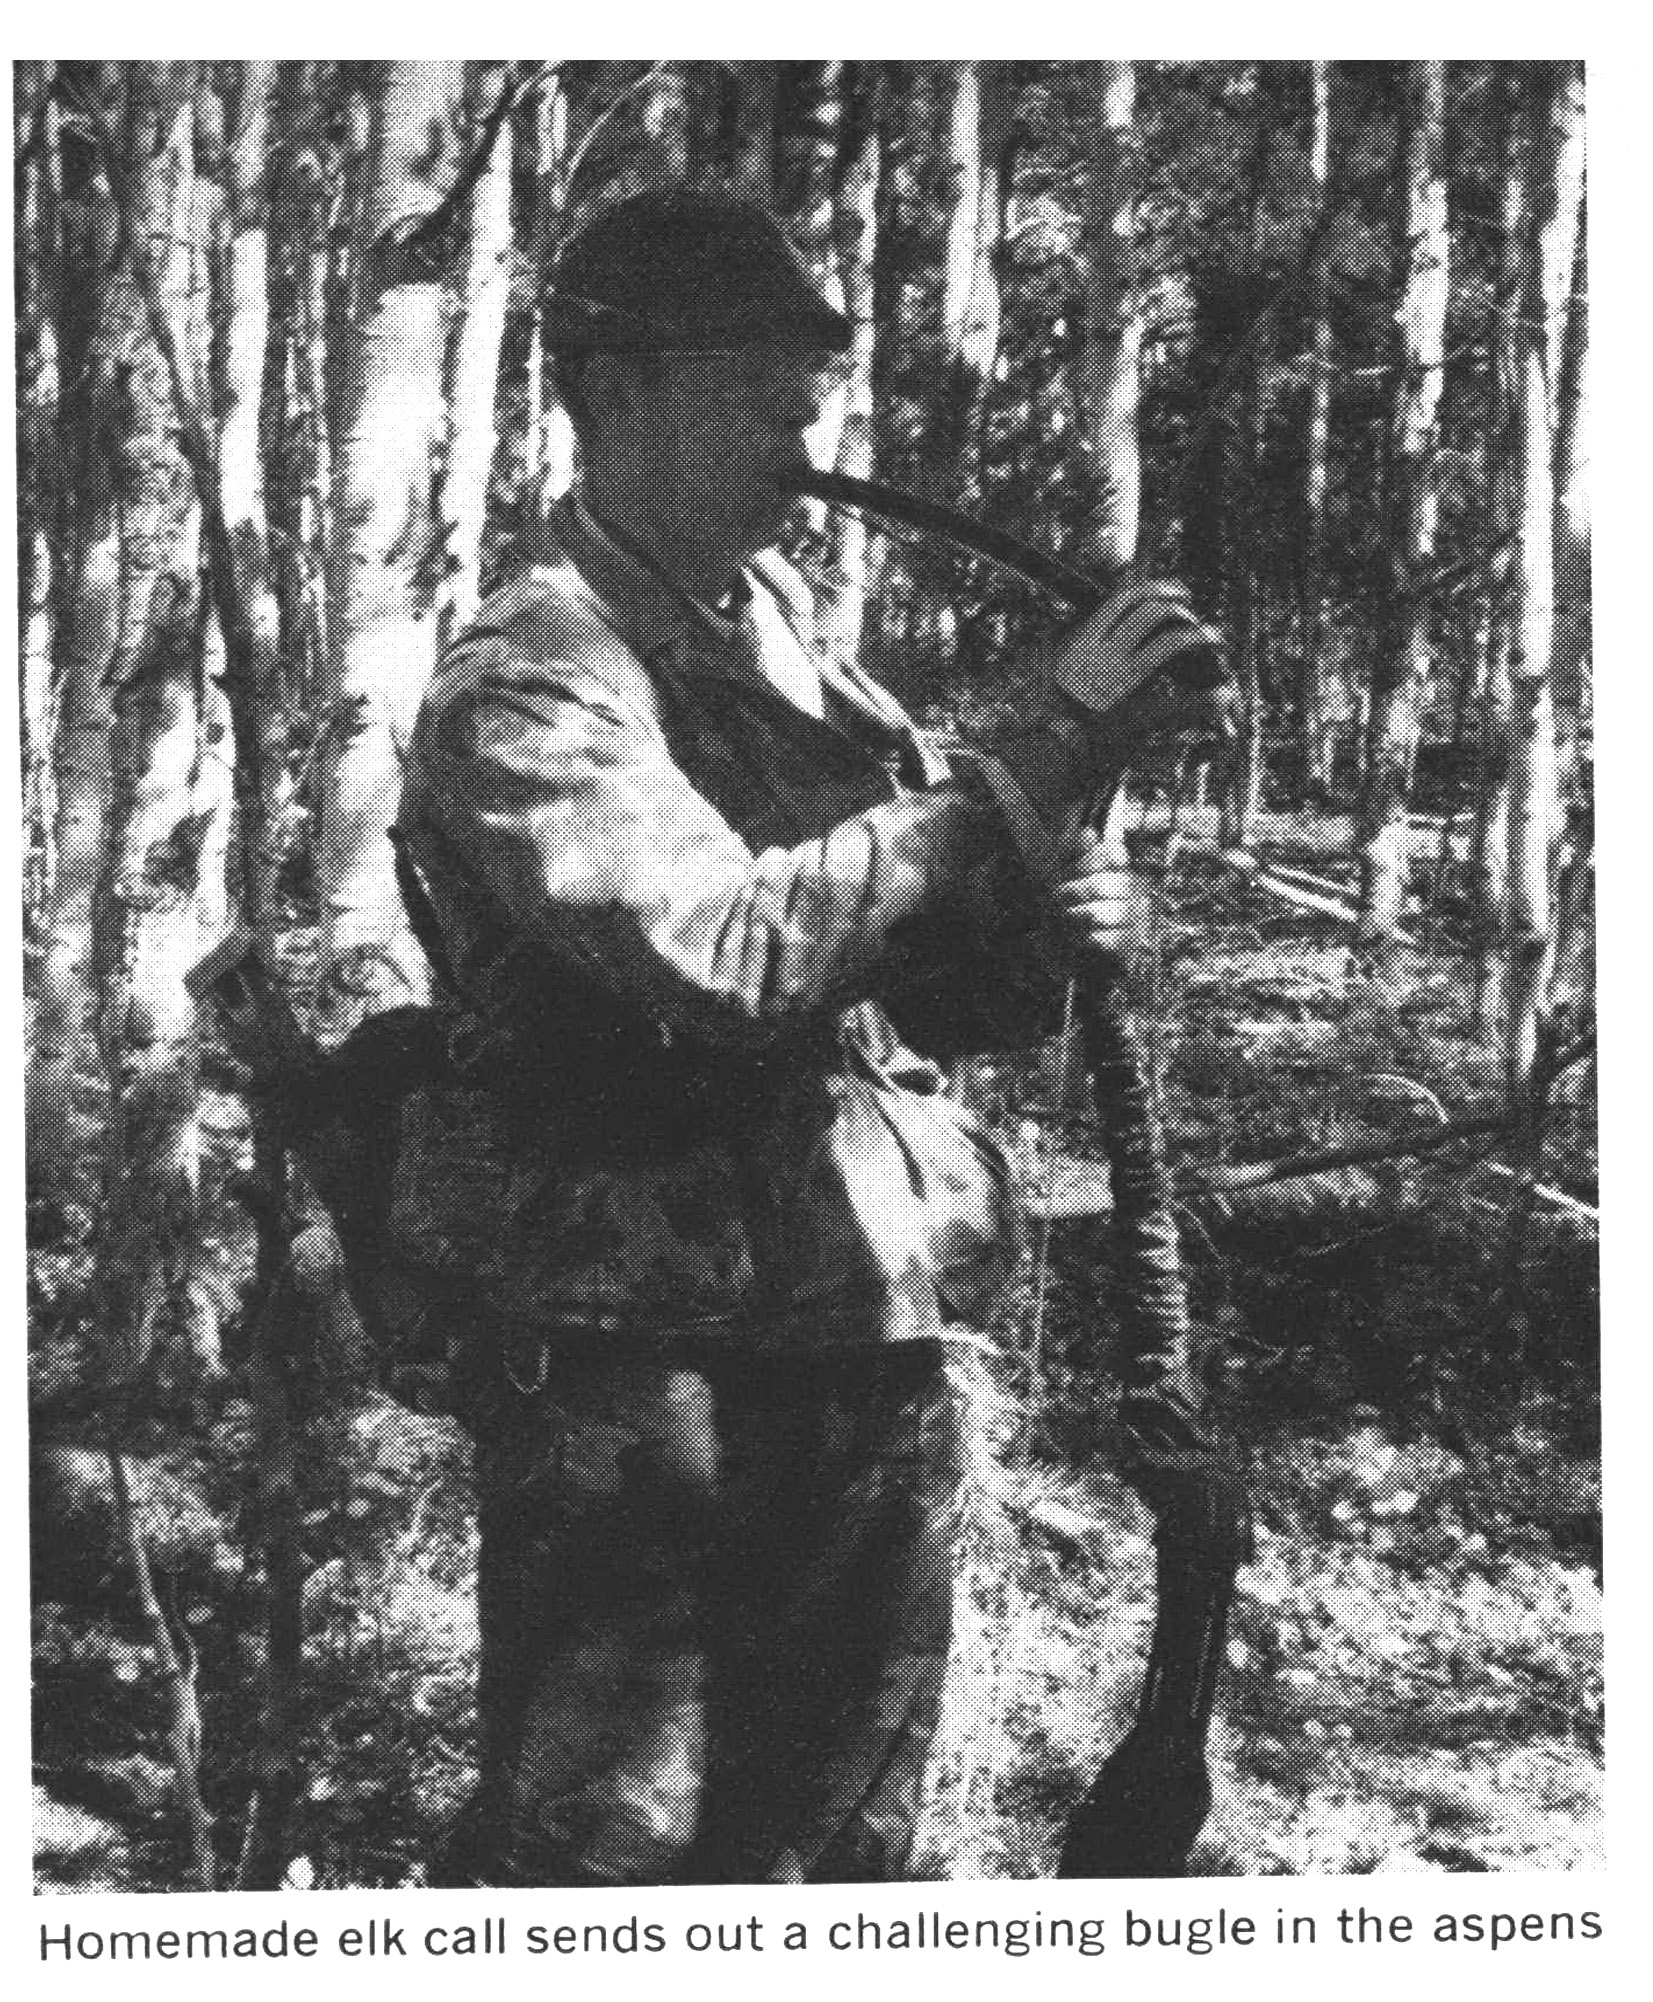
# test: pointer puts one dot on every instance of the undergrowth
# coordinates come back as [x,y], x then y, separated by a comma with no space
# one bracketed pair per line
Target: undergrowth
[1413,1676]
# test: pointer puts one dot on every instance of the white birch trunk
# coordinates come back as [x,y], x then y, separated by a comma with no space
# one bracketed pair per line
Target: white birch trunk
[843,606]
[1406,649]
[149,917]
[549,435]
[1552,115]
[462,500]
[1110,373]
[62,1116]
[382,624]
[1489,866]
[1315,697]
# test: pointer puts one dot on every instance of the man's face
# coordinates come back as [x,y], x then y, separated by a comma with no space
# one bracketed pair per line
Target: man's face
[719,431]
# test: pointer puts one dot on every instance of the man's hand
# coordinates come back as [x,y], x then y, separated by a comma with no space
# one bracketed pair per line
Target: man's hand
[1144,665]
[1093,906]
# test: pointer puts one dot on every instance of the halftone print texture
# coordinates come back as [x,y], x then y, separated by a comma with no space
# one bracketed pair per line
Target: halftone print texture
[809,923]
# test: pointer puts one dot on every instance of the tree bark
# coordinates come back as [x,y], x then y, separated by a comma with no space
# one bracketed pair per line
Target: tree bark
[39,497]
[809,147]
[549,441]
[1110,371]
[1572,531]
[258,697]
[383,624]
[809,144]
[152,1316]
[1489,855]
[299,473]
[1552,110]
[1244,797]
[978,130]
[148,928]
[462,504]
[843,605]
[254,680]
[1315,719]
[1405,652]
[93,312]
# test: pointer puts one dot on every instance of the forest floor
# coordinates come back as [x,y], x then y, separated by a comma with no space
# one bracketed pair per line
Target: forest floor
[1413,1676]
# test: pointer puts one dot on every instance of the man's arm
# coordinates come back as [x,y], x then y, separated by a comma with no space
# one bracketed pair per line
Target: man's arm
[541,769]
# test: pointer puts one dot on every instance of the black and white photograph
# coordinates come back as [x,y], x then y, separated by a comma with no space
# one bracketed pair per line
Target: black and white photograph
[809,1003]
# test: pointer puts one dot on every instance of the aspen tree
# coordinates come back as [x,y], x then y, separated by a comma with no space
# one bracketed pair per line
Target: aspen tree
[298,475]
[152,1312]
[382,625]
[1489,852]
[38,472]
[462,496]
[1553,111]
[1245,792]
[1315,721]
[1572,534]
[94,314]
[843,605]
[256,683]
[1111,370]
[1405,647]
[147,924]
[548,445]
[978,126]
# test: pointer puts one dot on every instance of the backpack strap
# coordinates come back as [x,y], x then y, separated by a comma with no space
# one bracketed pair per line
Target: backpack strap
[421,916]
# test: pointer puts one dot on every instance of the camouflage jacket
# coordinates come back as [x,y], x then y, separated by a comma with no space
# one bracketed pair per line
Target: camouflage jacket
[683,918]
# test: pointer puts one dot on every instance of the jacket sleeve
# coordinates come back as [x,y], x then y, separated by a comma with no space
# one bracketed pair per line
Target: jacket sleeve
[543,771]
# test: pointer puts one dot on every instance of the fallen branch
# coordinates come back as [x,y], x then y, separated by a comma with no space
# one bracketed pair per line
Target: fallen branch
[1422,1140]
[1587,1212]
[1262,877]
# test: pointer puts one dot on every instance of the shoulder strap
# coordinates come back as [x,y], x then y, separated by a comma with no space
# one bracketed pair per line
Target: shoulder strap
[421,915]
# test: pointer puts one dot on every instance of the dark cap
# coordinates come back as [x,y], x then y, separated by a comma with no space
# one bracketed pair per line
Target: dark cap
[684,268]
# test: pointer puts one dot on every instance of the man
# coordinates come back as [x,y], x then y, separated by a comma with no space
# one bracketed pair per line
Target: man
[708,1227]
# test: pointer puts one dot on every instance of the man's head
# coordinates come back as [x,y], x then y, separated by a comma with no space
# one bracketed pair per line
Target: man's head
[694,356]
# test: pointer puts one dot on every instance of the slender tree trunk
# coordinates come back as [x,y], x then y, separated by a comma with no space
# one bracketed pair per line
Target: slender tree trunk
[38,482]
[383,624]
[1572,536]
[978,129]
[148,930]
[549,443]
[813,125]
[843,606]
[258,697]
[1489,864]
[462,499]
[90,312]
[1402,667]
[1315,721]
[297,495]
[1553,110]
[254,679]
[1110,373]
[1244,798]
[147,927]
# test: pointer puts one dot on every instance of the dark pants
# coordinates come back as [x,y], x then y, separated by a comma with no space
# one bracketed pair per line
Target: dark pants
[714,1604]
